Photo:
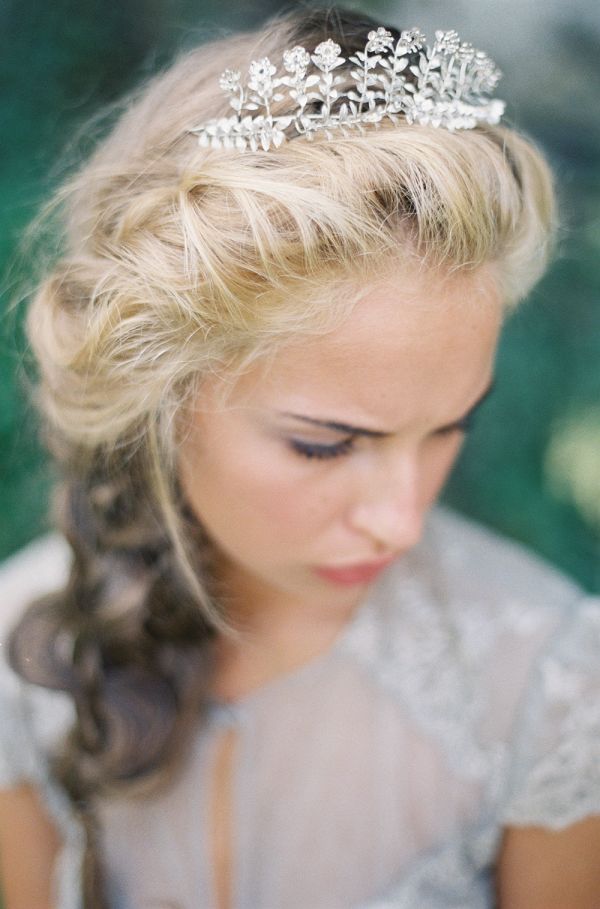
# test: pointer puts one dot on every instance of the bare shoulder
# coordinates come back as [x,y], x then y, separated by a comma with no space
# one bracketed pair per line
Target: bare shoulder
[540,868]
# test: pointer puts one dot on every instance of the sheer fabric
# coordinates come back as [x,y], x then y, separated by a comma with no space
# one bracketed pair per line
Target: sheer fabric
[462,696]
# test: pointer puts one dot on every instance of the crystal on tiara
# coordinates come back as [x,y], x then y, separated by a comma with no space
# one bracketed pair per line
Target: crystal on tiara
[446,84]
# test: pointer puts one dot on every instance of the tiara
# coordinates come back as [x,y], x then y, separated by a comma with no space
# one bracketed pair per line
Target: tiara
[447,87]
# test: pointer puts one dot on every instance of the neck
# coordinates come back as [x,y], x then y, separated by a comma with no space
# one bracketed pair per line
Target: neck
[267,613]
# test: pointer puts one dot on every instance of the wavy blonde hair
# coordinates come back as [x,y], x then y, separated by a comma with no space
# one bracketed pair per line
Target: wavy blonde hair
[179,262]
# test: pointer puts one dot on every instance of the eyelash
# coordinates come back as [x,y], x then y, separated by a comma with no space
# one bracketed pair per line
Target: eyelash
[324,452]
[321,452]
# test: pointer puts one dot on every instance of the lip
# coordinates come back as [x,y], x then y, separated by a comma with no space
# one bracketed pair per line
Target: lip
[359,573]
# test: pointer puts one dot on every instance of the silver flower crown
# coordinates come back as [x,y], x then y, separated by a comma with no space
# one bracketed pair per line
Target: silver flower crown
[449,86]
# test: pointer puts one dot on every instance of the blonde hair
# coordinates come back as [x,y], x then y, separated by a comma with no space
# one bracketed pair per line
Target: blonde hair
[180,261]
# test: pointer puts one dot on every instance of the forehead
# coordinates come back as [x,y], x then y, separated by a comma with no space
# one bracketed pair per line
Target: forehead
[407,333]
[419,340]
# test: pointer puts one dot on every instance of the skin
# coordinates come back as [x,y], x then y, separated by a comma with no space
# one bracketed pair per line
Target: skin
[548,869]
[411,359]
[29,843]
[408,363]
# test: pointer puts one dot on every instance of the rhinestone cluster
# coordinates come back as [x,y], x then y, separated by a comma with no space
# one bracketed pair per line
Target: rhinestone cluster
[448,86]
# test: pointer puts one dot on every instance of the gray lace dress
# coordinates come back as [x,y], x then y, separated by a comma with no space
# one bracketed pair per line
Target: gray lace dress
[462,696]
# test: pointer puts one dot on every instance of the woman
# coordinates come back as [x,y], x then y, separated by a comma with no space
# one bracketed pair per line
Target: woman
[266,669]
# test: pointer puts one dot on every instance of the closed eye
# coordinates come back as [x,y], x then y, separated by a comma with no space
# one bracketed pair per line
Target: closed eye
[323,452]
[312,450]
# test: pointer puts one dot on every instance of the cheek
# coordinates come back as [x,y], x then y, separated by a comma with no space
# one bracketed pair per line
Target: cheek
[253,493]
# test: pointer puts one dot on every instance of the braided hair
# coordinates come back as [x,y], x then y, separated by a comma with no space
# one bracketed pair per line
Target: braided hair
[180,262]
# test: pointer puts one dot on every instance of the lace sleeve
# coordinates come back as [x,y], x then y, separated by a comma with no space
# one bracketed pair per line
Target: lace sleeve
[16,752]
[556,773]
[35,569]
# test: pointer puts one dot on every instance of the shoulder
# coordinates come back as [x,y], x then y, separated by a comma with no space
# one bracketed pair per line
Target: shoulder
[508,609]
[475,559]
[481,595]
[33,718]
[505,602]
[471,630]
[39,567]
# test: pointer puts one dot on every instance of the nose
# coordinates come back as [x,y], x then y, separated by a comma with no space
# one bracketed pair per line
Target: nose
[390,508]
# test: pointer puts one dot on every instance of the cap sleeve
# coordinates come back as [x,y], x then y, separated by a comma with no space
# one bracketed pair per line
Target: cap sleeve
[17,761]
[29,717]
[555,778]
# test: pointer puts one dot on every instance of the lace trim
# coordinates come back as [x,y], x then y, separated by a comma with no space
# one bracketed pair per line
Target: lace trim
[433,662]
[432,650]
[561,780]
[454,876]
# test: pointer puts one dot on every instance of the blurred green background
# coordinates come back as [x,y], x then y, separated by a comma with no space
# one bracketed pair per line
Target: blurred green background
[532,465]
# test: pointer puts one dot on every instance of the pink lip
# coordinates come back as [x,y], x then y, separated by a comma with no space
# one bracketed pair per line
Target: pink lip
[353,574]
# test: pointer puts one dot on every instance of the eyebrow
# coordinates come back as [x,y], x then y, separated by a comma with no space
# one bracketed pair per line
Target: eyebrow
[378,434]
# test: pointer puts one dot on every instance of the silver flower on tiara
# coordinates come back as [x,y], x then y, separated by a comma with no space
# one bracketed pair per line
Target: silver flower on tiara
[447,86]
